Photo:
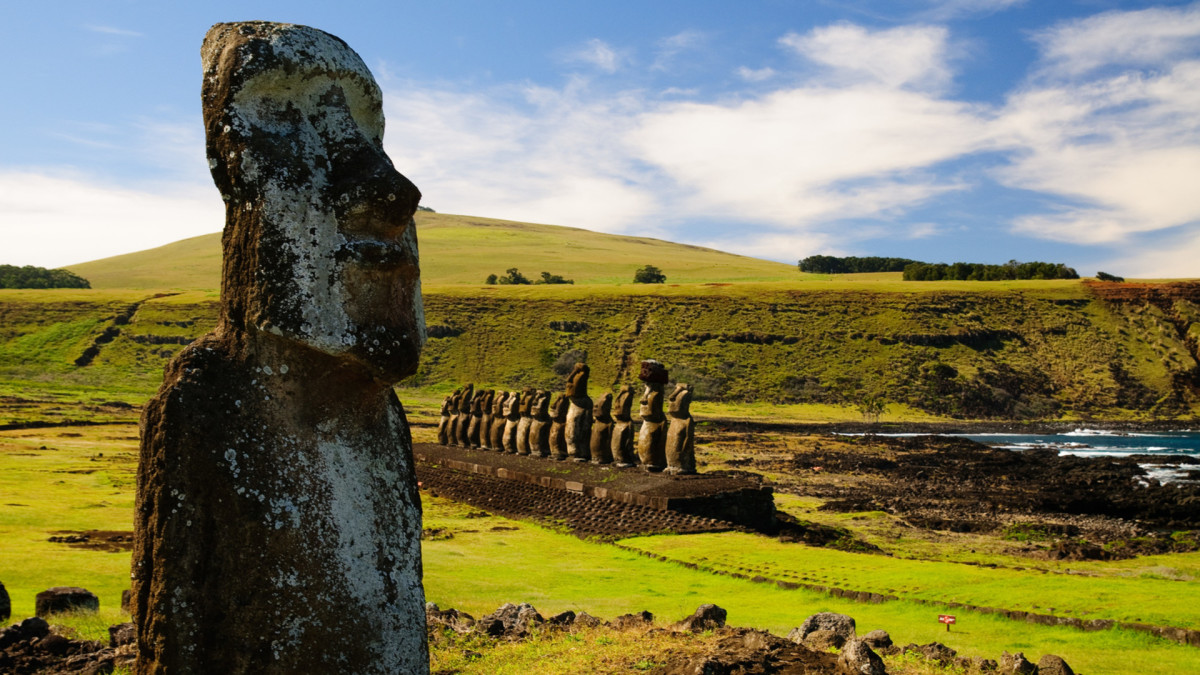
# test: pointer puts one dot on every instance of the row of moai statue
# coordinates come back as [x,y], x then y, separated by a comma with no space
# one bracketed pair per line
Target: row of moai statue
[572,427]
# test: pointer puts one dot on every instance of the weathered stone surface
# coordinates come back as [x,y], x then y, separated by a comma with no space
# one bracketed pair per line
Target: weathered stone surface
[856,658]
[5,604]
[1016,664]
[878,639]
[623,449]
[443,429]
[558,428]
[579,414]
[122,634]
[523,424]
[459,622]
[510,621]
[936,651]
[602,424]
[65,599]
[512,419]
[562,619]
[539,426]
[823,640]
[30,629]
[496,434]
[680,448]
[485,419]
[127,601]
[642,619]
[652,437]
[277,520]
[1053,665]
[838,623]
[587,620]
[706,617]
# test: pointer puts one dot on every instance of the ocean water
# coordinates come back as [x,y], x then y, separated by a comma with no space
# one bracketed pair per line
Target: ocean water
[1103,443]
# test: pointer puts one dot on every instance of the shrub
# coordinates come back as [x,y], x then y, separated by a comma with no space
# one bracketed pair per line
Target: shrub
[1105,276]
[567,360]
[29,276]
[649,275]
[548,278]
[514,277]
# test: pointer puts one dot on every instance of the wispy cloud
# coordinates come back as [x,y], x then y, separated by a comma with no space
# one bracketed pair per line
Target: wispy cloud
[942,10]
[1140,38]
[600,54]
[674,45]
[112,30]
[756,74]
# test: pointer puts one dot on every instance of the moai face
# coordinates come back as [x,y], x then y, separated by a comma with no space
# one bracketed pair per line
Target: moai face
[681,400]
[624,403]
[541,404]
[498,404]
[320,245]
[455,400]
[489,398]
[577,381]
[558,409]
[512,407]
[527,402]
[603,409]
[446,403]
[464,403]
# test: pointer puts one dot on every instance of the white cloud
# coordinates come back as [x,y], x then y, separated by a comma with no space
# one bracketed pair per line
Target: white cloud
[1175,257]
[674,45]
[111,30]
[941,10]
[756,74]
[599,54]
[906,56]
[1140,38]
[53,221]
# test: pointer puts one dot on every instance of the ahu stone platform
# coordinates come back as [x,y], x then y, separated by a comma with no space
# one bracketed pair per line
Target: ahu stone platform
[615,501]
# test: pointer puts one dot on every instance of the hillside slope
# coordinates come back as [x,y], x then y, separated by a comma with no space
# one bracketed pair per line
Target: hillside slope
[465,250]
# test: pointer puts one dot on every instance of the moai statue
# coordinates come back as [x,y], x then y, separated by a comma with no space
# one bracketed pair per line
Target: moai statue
[652,437]
[464,415]
[579,414]
[473,434]
[485,420]
[496,433]
[512,418]
[558,428]
[681,432]
[526,408]
[539,428]
[455,415]
[443,429]
[602,426]
[278,524]
[622,429]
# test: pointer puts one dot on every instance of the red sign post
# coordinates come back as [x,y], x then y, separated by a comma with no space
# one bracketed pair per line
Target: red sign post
[947,619]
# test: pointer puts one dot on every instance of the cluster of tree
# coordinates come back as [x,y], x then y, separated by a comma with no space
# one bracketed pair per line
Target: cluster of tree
[29,276]
[513,276]
[828,264]
[649,275]
[1009,271]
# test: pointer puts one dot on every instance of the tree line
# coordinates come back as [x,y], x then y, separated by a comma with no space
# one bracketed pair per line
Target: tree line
[828,264]
[915,270]
[29,276]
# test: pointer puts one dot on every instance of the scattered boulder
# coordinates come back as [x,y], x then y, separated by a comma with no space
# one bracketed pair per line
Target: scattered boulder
[5,604]
[705,617]
[65,599]
[30,629]
[510,621]
[878,639]
[1016,664]
[824,640]
[856,658]
[1053,665]
[586,620]
[122,634]
[562,619]
[839,623]
[30,647]
[985,665]
[642,619]
[936,651]
[459,622]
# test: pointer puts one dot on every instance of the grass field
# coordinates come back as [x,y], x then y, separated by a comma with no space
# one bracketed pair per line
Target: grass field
[82,479]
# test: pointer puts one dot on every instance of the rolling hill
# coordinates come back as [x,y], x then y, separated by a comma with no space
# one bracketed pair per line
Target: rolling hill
[465,250]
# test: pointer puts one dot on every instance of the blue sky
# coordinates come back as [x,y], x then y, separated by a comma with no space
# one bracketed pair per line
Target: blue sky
[943,130]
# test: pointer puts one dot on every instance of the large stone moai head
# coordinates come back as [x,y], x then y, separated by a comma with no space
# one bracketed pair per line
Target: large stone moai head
[623,406]
[655,375]
[577,381]
[680,401]
[558,409]
[527,397]
[603,409]
[498,402]
[468,395]
[320,245]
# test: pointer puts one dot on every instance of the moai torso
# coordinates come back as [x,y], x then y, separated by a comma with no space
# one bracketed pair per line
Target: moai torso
[539,428]
[602,425]
[498,421]
[651,444]
[681,432]
[278,523]
[464,415]
[443,430]
[558,428]
[579,414]
[512,417]
[523,424]
[485,420]
[623,448]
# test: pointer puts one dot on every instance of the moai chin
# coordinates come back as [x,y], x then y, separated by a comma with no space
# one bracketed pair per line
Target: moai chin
[523,424]
[681,432]
[485,420]
[602,426]
[651,443]
[278,524]
[579,414]
[464,416]
[512,418]
[539,428]
[496,433]
[443,429]
[622,430]
[558,428]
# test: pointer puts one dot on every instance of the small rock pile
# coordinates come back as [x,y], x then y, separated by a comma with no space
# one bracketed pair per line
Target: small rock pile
[31,647]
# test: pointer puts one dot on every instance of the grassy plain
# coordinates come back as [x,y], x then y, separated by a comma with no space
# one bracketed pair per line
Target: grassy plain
[82,479]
